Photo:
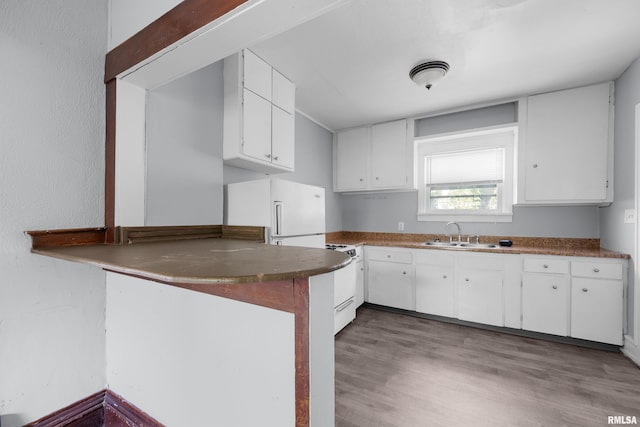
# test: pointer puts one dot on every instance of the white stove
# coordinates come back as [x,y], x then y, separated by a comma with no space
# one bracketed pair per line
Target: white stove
[344,289]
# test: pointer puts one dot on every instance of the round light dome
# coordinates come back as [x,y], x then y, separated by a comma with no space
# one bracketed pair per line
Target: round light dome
[428,73]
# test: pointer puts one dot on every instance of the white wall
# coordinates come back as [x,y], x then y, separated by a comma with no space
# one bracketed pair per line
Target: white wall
[52,350]
[615,233]
[127,17]
[184,150]
[192,359]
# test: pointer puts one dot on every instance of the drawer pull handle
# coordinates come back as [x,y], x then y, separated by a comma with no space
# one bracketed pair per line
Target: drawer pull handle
[596,270]
[546,266]
[585,290]
[555,286]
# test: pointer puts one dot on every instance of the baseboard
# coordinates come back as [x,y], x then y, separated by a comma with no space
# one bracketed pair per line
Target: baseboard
[631,350]
[102,409]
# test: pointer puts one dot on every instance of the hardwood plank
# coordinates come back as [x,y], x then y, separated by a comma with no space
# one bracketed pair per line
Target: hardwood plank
[394,370]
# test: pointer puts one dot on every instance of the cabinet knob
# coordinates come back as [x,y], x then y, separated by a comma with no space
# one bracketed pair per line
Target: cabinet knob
[388,256]
[466,279]
[268,156]
[535,165]
[545,266]
[275,157]
[555,286]
[596,270]
[361,179]
[404,272]
[444,277]
[377,178]
[585,290]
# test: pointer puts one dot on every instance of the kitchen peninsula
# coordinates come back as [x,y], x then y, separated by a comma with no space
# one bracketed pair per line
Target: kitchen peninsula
[257,331]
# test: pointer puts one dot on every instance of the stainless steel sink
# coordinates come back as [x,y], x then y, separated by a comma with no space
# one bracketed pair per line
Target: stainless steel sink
[462,245]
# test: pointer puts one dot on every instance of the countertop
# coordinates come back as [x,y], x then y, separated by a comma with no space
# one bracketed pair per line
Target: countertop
[521,245]
[204,261]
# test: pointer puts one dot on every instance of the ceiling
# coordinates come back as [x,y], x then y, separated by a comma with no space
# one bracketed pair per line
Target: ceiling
[351,64]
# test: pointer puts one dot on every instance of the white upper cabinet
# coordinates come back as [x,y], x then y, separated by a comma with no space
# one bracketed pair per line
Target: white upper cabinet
[566,147]
[374,158]
[351,159]
[259,121]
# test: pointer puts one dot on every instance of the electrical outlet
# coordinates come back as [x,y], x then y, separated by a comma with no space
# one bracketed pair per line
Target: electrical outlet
[400,226]
[629,216]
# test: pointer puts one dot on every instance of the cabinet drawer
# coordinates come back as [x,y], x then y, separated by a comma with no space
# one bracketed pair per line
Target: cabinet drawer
[546,265]
[431,257]
[596,269]
[390,256]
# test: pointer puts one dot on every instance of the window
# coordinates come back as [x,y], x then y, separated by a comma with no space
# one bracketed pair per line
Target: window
[467,176]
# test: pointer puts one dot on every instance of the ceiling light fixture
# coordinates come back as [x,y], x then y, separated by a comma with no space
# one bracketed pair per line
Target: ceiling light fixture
[428,73]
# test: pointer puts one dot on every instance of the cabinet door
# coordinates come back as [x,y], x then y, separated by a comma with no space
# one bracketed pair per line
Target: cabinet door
[596,310]
[283,138]
[359,283]
[390,284]
[389,155]
[480,296]
[257,75]
[283,93]
[256,126]
[435,290]
[545,303]
[567,140]
[352,153]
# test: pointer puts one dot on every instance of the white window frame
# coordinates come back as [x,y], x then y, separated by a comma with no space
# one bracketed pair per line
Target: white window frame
[461,141]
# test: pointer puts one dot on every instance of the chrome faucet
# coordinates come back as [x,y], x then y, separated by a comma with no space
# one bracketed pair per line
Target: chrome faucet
[446,227]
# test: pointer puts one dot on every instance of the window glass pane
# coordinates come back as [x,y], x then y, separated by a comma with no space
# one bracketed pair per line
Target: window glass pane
[468,197]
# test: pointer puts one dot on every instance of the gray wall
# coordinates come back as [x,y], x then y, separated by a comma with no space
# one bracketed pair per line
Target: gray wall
[185,174]
[382,212]
[184,150]
[615,233]
[52,312]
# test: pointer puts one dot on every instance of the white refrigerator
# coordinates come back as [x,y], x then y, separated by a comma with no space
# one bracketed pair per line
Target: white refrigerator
[293,213]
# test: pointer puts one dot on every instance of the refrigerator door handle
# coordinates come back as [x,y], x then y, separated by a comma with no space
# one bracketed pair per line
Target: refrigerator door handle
[278,218]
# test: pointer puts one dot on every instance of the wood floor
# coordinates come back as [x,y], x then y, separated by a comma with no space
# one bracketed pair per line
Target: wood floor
[402,371]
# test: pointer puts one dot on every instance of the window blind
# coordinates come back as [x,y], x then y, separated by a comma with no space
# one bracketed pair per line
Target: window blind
[484,165]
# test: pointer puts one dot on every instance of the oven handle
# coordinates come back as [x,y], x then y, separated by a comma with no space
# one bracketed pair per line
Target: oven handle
[345,304]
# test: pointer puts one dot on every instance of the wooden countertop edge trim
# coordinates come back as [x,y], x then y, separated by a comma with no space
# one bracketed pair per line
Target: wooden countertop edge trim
[277,294]
[99,235]
[67,237]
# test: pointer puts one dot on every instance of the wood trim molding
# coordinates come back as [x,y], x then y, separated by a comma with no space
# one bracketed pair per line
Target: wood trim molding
[276,295]
[118,412]
[104,408]
[130,235]
[187,17]
[69,237]
[301,296]
[110,163]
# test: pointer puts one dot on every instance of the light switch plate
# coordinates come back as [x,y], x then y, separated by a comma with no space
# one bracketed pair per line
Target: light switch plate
[629,216]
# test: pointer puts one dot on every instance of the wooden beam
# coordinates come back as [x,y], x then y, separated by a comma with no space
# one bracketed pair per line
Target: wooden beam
[187,17]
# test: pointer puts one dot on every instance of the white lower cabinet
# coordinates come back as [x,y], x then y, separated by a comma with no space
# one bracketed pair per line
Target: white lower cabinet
[576,297]
[596,310]
[435,287]
[545,303]
[435,290]
[480,296]
[390,278]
